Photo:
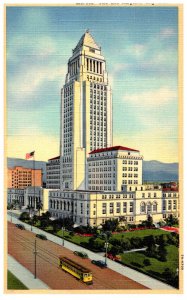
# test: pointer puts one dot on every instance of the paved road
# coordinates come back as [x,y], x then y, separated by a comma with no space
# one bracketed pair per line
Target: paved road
[145,280]
[21,247]
[25,276]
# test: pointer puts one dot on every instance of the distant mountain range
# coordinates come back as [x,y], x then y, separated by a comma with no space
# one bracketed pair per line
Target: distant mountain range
[12,162]
[153,170]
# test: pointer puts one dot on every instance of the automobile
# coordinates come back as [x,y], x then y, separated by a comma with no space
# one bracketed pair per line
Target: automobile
[99,263]
[81,254]
[113,257]
[41,236]
[20,226]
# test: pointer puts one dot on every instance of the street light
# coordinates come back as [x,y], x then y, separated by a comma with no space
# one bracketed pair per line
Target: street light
[106,250]
[63,236]
[106,235]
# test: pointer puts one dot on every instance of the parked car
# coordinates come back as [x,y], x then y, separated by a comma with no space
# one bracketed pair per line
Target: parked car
[41,236]
[99,263]
[81,254]
[113,257]
[20,226]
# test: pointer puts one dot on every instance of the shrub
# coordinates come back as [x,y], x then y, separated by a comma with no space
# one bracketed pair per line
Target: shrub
[24,216]
[146,262]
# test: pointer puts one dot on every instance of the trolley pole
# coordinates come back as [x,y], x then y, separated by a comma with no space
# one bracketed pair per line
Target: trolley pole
[35,253]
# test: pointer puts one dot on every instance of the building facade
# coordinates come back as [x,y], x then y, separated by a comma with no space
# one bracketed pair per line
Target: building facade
[112,167]
[86,112]
[99,181]
[15,197]
[20,177]
[53,173]
[132,205]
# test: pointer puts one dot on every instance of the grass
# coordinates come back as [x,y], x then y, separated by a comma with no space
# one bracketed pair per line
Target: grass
[157,267]
[77,239]
[140,233]
[13,283]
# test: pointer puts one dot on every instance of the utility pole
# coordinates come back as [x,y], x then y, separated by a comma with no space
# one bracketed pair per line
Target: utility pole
[35,253]
[62,236]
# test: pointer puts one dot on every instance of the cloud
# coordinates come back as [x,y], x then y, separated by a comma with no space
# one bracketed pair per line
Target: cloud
[154,98]
[167,32]
[31,80]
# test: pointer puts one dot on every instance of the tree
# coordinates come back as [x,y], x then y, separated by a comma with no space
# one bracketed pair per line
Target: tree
[162,253]
[171,220]
[162,240]
[151,250]
[149,240]
[115,250]
[39,206]
[126,245]
[149,221]
[146,262]
[171,277]
[110,225]
[24,216]
[136,242]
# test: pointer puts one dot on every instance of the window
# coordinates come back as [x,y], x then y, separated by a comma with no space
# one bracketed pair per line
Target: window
[142,207]
[111,208]
[118,206]
[104,205]
[124,207]
[148,207]
[154,206]
[169,204]
[131,207]
[164,204]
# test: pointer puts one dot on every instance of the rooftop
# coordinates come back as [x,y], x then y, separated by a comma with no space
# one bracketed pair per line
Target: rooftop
[114,148]
[86,40]
[57,157]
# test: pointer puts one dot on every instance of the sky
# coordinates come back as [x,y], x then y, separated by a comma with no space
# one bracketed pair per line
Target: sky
[140,45]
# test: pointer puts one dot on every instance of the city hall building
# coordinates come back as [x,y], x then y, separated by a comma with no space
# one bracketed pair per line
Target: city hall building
[99,181]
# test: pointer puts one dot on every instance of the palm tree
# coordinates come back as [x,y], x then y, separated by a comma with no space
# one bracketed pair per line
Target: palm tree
[39,206]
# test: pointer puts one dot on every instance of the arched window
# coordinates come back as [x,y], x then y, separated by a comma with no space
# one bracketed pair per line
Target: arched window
[142,207]
[155,206]
[57,207]
[54,204]
[51,204]
[148,207]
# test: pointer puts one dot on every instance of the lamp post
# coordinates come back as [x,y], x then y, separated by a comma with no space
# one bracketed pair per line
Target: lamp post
[62,236]
[106,235]
[106,250]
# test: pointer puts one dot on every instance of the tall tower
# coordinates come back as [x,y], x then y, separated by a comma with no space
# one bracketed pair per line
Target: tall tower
[86,112]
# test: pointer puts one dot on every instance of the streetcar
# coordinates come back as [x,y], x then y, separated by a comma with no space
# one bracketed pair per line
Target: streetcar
[75,269]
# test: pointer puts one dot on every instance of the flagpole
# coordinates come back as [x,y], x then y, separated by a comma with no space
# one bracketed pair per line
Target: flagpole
[34,176]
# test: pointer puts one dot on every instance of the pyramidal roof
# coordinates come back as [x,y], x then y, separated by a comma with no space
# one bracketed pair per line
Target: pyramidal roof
[86,40]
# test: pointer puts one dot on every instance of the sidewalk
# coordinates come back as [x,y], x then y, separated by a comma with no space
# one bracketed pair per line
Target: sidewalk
[25,276]
[143,279]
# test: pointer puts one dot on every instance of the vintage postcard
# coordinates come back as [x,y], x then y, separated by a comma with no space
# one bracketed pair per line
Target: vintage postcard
[93,162]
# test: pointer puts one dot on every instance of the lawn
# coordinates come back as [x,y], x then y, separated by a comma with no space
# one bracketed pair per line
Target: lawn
[77,239]
[135,259]
[139,233]
[13,283]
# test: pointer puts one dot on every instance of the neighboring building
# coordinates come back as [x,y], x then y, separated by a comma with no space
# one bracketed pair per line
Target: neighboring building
[86,112]
[15,196]
[110,168]
[20,178]
[35,197]
[133,205]
[53,173]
